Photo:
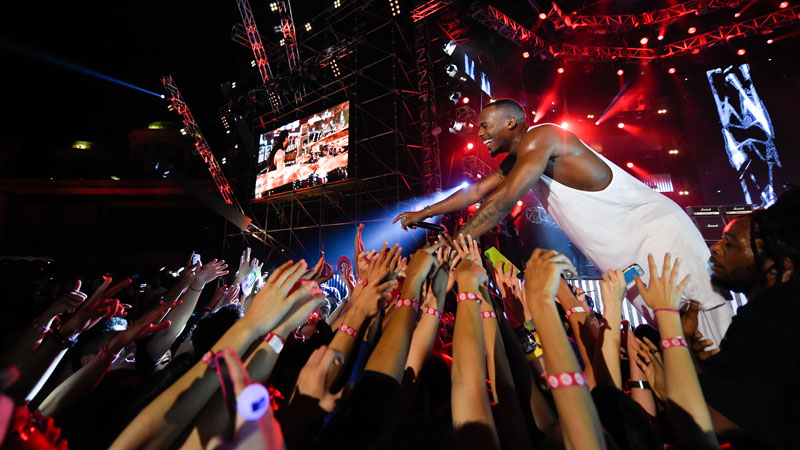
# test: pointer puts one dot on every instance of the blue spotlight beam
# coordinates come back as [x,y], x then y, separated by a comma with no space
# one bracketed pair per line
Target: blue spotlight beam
[68,65]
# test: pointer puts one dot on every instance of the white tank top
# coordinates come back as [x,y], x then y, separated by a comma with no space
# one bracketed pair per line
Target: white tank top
[619,225]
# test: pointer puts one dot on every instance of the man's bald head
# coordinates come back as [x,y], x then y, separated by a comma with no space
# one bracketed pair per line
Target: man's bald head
[508,108]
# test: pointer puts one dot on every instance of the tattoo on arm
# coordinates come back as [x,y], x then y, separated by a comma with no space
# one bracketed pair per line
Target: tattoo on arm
[487,217]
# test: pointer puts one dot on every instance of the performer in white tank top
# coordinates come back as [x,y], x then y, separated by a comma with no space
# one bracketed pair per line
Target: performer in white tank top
[622,223]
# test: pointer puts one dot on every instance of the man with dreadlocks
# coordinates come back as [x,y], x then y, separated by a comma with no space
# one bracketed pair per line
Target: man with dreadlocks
[752,383]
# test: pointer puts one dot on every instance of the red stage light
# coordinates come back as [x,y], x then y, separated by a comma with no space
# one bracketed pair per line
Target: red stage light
[620,125]
[770,41]
[741,52]
[564,125]
[660,37]
[465,100]
[470,146]
[737,15]
[526,55]
[479,176]
[692,30]
[560,70]
[630,165]
[542,16]
[620,72]
[644,41]
[783,4]
[671,70]
[519,203]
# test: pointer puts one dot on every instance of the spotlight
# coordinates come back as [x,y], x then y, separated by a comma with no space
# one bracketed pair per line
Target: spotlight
[737,15]
[335,68]
[395,5]
[465,100]
[590,116]
[783,5]
[630,165]
[452,70]
[282,42]
[671,70]
[620,125]
[673,151]
[741,52]
[479,176]
[455,96]
[660,37]
[692,30]
[470,146]
[337,3]
[526,55]
[273,6]
[769,41]
[519,202]
[464,185]
[620,72]
[565,125]
[532,112]
[450,47]
[644,41]
[308,26]
[542,16]
[560,70]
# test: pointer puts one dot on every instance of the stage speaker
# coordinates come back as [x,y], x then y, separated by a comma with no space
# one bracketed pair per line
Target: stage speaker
[733,211]
[709,220]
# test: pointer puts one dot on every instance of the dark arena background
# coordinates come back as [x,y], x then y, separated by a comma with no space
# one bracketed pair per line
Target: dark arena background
[143,131]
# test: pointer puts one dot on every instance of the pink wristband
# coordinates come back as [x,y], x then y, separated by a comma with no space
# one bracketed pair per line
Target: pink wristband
[348,330]
[677,341]
[433,312]
[566,379]
[489,315]
[209,360]
[667,309]
[275,341]
[407,302]
[577,309]
[362,282]
[465,296]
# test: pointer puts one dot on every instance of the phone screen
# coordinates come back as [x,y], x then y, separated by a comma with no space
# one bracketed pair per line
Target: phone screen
[633,269]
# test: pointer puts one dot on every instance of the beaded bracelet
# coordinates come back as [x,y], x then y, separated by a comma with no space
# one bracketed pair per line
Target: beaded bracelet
[464,296]
[348,330]
[407,302]
[275,341]
[677,341]
[577,309]
[489,315]
[566,379]
[433,312]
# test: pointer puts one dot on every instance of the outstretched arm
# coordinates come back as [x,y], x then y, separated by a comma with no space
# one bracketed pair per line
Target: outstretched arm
[457,201]
[530,165]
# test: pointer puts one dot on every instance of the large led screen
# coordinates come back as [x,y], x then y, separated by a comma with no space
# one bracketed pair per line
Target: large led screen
[306,152]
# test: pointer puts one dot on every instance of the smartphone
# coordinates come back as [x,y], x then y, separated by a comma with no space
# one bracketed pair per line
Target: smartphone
[195,259]
[495,257]
[430,226]
[630,271]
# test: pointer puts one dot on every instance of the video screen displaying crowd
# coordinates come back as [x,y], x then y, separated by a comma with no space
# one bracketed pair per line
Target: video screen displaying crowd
[437,350]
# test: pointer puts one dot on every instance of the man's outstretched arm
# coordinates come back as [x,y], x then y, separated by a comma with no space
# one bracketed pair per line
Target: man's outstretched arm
[458,200]
[527,170]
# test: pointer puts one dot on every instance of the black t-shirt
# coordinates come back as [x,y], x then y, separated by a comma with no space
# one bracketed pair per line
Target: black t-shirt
[753,379]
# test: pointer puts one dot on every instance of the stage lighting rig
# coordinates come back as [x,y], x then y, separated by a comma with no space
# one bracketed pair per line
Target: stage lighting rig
[395,6]
[452,70]
[455,96]
[449,47]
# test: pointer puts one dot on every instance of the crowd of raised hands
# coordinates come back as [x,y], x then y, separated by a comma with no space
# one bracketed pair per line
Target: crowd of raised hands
[436,350]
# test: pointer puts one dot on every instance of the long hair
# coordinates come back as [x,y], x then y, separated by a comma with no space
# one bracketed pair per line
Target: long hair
[778,229]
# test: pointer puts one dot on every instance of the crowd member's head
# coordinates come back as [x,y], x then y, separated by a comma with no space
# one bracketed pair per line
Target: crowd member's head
[499,123]
[759,250]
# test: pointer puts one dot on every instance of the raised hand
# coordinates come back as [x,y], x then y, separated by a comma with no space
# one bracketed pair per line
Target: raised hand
[364,260]
[409,218]
[470,268]
[383,266]
[648,359]
[423,262]
[312,380]
[68,302]
[664,292]
[301,308]
[543,272]
[145,326]
[465,245]
[699,345]
[272,302]
[320,273]
[210,271]
[613,287]
[98,306]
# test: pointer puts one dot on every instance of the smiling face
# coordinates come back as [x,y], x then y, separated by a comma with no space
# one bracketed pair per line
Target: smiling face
[733,265]
[494,130]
